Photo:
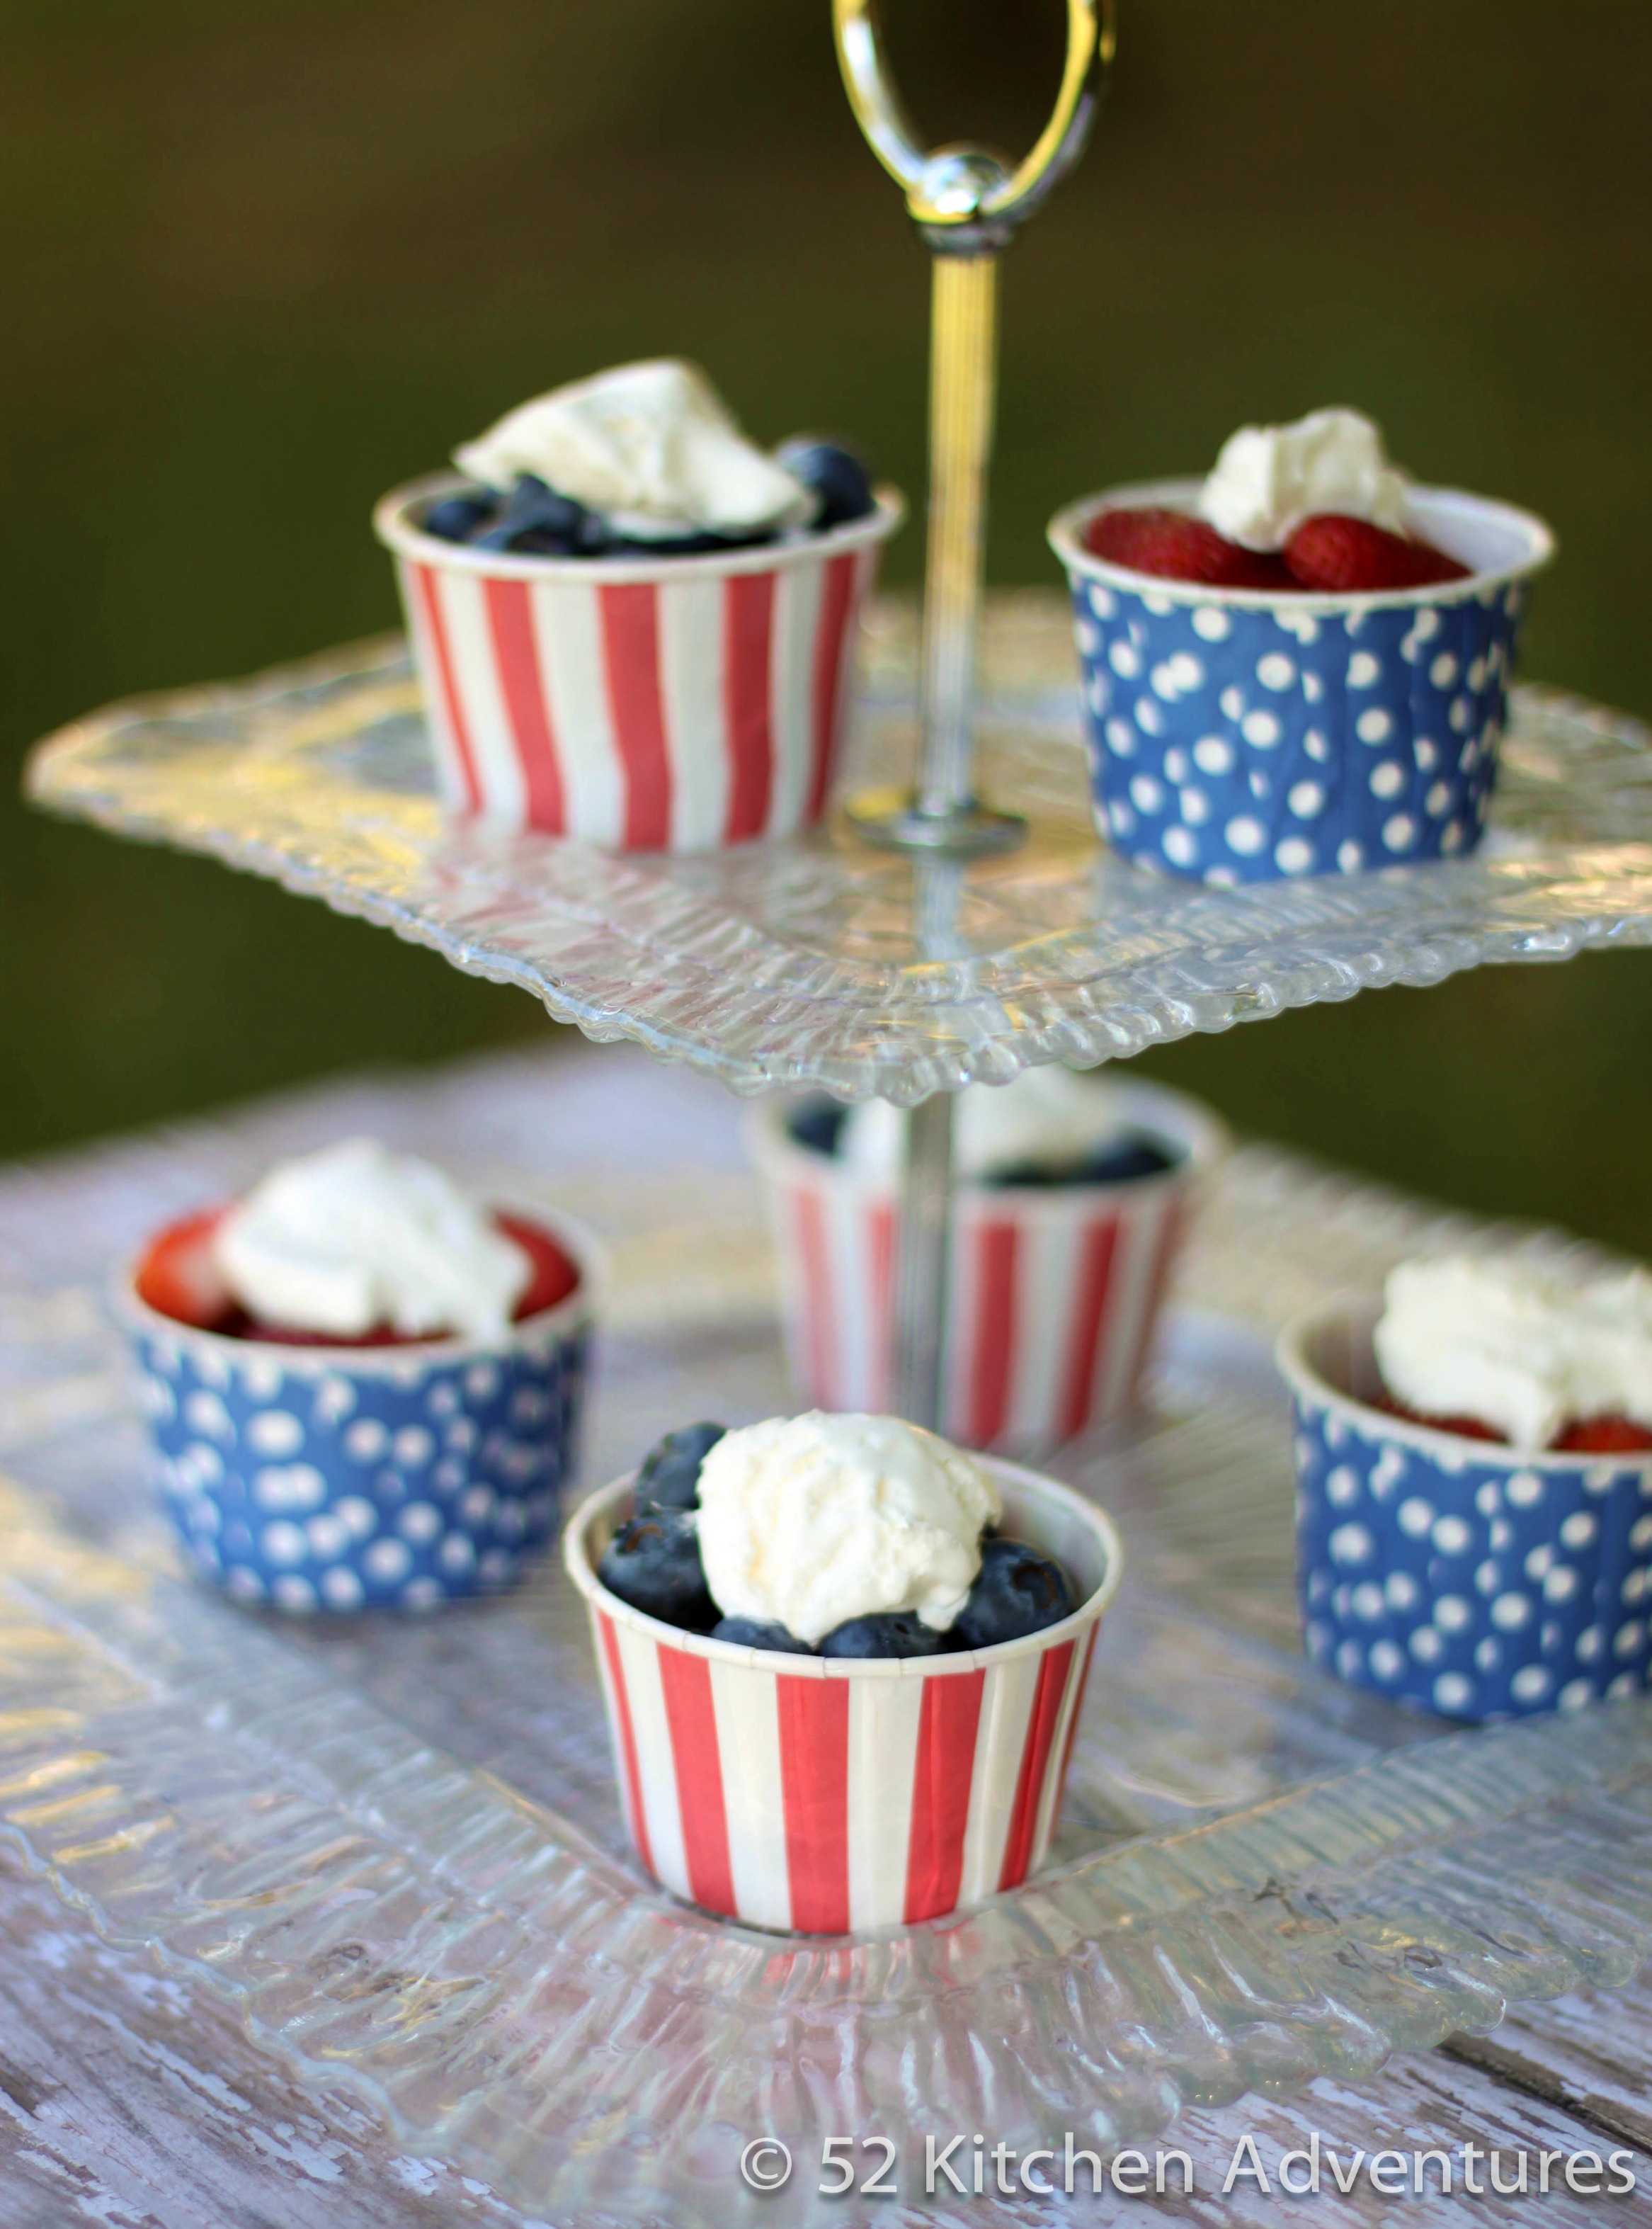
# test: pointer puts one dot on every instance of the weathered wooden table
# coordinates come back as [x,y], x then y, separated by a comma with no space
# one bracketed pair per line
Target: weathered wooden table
[129,2095]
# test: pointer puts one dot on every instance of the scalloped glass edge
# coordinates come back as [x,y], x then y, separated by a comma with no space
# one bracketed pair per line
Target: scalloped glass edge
[507,1995]
[720,960]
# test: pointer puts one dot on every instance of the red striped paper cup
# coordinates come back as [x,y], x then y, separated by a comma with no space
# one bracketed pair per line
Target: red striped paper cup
[671,704]
[1056,1292]
[825,1794]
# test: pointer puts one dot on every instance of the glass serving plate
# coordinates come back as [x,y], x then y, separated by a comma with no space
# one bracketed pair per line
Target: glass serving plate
[394,1843]
[1260,1883]
[801,962]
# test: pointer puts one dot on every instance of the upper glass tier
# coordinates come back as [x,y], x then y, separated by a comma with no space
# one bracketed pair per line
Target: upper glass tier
[801,963]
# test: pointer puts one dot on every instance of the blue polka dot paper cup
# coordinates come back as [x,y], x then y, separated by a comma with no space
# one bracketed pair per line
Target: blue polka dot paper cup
[1473,1579]
[1240,736]
[338,1479]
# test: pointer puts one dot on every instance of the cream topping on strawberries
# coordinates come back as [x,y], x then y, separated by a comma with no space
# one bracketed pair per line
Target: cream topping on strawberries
[1501,1341]
[651,446]
[341,1241]
[1269,478]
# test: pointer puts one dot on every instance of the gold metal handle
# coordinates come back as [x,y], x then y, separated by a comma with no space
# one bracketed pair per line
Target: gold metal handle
[967,199]
[967,203]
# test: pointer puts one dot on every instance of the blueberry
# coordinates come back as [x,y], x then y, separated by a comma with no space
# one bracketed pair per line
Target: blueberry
[1016,1592]
[817,1123]
[592,536]
[837,476]
[1024,1175]
[459,518]
[669,1476]
[653,1563]
[686,545]
[534,503]
[1124,1160]
[537,520]
[1118,1160]
[535,542]
[752,1633]
[897,1632]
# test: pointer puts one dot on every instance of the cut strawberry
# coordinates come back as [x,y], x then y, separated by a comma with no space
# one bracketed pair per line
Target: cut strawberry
[554,1277]
[1590,1435]
[1334,555]
[1604,1436]
[1466,1428]
[1173,547]
[179,1277]
[242,1326]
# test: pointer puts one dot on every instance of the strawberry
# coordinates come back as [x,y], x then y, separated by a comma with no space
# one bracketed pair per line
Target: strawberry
[1174,547]
[554,1275]
[1592,1435]
[242,1326]
[1466,1428]
[1604,1436]
[1334,555]
[178,1277]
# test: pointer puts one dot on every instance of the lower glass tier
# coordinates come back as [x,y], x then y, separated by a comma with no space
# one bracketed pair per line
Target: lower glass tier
[394,1842]
[812,962]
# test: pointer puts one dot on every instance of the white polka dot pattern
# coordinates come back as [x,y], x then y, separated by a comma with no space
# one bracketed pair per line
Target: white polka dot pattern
[1306,742]
[1484,1585]
[353,1488]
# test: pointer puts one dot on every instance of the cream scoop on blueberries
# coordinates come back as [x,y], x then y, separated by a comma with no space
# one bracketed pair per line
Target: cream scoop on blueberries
[643,460]
[854,1536]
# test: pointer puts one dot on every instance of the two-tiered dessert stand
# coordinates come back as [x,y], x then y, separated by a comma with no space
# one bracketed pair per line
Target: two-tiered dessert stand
[925,941]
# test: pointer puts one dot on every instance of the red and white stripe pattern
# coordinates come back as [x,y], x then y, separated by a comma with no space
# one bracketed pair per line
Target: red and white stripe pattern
[698,706]
[1055,1294]
[825,1796]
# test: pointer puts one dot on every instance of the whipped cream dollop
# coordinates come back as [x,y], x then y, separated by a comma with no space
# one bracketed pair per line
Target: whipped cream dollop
[1499,1339]
[1269,478]
[355,1236]
[652,446]
[808,1521]
[1047,1114]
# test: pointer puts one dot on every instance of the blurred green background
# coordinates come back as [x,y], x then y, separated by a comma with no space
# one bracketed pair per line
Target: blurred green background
[265,257]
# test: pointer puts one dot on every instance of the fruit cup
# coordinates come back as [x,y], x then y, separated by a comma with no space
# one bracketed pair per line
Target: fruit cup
[336,1478]
[1056,1292]
[1241,736]
[825,1794]
[644,704]
[1475,1579]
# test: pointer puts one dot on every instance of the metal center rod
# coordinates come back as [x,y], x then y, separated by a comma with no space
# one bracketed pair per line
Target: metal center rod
[967,204]
[923,1262]
[962,396]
